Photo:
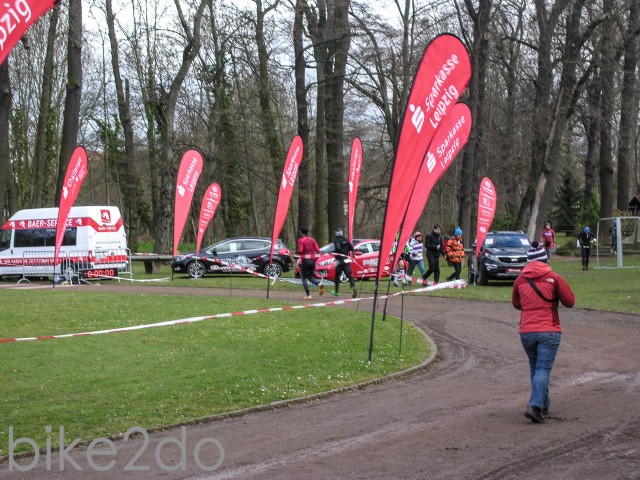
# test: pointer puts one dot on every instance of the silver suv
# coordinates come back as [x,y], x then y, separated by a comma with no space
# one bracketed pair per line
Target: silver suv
[502,257]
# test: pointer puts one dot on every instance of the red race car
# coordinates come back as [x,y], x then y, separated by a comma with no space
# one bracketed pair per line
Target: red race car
[363,265]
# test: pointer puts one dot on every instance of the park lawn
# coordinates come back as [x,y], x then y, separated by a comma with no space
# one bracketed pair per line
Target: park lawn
[600,288]
[103,385]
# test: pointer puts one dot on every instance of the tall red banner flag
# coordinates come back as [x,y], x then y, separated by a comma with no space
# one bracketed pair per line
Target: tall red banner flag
[354,179]
[76,173]
[442,76]
[210,202]
[450,137]
[188,174]
[487,200]
[16,16]
[289,176]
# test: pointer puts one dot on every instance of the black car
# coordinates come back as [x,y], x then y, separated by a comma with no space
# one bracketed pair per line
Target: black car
[502,257]
[236,255]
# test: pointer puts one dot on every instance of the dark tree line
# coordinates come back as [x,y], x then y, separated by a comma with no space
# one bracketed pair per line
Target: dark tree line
[554,97]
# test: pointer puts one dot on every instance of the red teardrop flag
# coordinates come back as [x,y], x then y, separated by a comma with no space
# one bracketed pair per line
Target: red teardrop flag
[210,202]
[487,200]
[16,16]
[289,176]
[76,173]
[354,179]
[442,76]
[452,134]
[188,174]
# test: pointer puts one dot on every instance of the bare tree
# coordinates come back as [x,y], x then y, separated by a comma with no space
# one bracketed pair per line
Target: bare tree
[164,109]
[71,116]
[124,112]
[5,113]
[553,113]
[304,174]
[473,153]
[629,105]
[39,158]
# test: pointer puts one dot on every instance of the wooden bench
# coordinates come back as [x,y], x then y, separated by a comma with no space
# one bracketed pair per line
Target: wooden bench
[152,261]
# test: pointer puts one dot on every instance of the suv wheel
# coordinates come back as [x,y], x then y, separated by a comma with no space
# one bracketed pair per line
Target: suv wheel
[272,270]
[482,277]
[195,269]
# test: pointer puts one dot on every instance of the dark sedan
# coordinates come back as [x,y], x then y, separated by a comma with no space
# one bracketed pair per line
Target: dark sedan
[236,255]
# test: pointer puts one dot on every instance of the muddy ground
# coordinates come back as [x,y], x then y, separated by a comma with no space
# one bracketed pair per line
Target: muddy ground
[460,417]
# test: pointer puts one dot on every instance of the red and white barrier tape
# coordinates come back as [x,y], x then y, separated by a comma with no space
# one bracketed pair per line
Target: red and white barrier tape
[440,286]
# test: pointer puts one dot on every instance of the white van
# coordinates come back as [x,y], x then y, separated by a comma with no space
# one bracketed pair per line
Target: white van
[94,244]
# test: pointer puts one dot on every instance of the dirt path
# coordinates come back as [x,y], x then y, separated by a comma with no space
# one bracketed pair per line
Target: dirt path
[459,418]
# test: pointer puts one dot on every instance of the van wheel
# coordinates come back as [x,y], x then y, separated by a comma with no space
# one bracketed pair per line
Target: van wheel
[196,269]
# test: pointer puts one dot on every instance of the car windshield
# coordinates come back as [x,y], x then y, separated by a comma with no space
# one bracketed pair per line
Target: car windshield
[507,241]
[328,248]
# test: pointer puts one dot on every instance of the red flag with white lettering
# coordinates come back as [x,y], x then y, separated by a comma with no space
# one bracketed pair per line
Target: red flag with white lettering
[210,202]
[289,176]
[188,174]
[452,134]
[354,179]
[16,16]
[76,173]
[441,78]
[487,200]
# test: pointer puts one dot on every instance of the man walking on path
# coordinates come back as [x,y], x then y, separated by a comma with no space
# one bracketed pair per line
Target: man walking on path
[585,239]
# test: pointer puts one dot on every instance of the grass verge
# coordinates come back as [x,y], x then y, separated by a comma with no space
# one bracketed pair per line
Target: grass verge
[103,385]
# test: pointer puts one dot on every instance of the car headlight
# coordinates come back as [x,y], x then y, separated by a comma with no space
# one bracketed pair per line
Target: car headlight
[325,263]
[179,258]
[491,257]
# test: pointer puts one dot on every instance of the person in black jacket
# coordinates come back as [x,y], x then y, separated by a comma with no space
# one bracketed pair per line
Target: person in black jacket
[343,252]
[434,248]
[585,239]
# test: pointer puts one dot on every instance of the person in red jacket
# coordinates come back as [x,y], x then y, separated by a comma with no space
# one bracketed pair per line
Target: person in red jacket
[308,251]
[536,293]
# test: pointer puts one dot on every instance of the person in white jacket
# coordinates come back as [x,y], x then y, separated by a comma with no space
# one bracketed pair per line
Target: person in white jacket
[416,258]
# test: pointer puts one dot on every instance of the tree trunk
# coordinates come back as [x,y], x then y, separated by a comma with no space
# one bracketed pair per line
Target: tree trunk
[71,116]
[609,63]
[472,156]
[304,180]
[274,146]
[551,127]
[628,108]
[5,114]
[124,112]
[316,22]
[164,113]
[39,157]
[338,41]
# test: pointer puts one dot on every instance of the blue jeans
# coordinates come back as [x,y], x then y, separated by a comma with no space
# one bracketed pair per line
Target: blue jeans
[412,266]
[541,348]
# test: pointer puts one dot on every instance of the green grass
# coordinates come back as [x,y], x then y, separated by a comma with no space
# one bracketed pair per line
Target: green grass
[103,385]
[612,289]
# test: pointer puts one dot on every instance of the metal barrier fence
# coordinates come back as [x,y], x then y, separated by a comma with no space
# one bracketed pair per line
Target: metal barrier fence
[78,266]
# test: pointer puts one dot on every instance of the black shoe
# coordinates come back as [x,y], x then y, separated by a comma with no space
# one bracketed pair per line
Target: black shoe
[535,414]
[545,412]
